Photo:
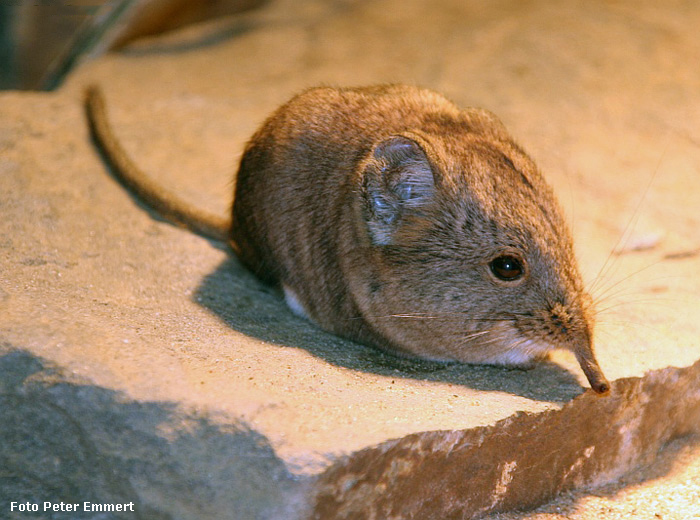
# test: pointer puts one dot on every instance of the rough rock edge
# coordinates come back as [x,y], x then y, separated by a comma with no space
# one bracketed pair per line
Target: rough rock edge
[66,440]
[63,439]
[519,462]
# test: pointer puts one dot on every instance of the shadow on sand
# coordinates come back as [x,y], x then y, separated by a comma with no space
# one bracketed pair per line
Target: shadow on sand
[247,305]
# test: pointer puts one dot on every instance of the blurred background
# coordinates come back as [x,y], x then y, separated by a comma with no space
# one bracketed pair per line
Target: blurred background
[42,40]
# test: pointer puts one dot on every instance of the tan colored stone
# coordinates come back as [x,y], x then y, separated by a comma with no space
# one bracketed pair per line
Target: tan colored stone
[117,311]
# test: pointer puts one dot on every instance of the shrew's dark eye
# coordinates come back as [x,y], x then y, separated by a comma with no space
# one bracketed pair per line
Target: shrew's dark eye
[507,268]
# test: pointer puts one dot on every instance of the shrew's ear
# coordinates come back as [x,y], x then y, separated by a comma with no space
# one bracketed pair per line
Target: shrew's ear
[398,179]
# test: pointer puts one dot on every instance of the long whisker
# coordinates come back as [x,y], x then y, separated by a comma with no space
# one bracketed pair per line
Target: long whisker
[623,295]
[624,237]
[624,279]
[478,334]
[633,327]
[496,339]
[654,301]
[514,345]
[463,315]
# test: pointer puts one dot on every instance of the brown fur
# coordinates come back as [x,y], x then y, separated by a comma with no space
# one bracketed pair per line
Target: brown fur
[379,210]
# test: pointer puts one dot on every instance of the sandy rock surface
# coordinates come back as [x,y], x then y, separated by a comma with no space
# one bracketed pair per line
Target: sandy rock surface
[103,296]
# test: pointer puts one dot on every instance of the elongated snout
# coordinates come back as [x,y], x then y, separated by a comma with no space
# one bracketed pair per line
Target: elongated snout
[586,359]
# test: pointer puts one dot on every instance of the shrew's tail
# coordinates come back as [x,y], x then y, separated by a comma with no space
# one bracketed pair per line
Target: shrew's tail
[167,204]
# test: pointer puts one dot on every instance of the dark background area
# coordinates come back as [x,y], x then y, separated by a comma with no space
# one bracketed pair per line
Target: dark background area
[41,41]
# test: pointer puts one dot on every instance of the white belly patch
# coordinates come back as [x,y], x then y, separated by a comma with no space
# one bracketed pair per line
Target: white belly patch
[293,302]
